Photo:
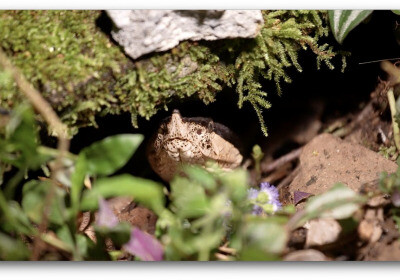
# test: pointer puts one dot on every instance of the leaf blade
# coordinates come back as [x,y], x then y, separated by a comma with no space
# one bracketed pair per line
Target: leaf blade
[343,21]
[110,154]
[148,192]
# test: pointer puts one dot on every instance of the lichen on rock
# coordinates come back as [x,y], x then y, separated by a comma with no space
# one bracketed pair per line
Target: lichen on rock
[144,31]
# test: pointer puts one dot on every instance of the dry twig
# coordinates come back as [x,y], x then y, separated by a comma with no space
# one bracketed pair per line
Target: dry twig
[281,161]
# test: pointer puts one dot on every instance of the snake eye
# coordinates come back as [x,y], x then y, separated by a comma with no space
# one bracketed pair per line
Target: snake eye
[163,130]
[199,131]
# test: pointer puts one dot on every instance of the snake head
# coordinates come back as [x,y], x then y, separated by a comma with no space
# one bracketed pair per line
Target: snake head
[191,141]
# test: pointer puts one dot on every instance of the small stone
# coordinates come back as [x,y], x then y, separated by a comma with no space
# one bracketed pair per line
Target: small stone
[365,230]
[370,229]
[378,201]
[322,232]
[305,255]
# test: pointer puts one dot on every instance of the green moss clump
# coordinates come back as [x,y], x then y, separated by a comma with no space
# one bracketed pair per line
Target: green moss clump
[60,52]
[84,74]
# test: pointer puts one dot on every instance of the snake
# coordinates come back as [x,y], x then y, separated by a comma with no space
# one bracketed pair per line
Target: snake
[194,141]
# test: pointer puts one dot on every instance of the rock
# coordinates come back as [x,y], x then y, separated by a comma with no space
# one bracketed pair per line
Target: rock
[369,231]
[321,232]
[378,201]
[144,31]
[305,255]
[388,252]
[327,160]
[138,216]
[126,210]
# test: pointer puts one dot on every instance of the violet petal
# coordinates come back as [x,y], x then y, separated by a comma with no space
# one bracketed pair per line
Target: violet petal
[396,198]
[144,246]
[272,193]
[299,196]
[106,217]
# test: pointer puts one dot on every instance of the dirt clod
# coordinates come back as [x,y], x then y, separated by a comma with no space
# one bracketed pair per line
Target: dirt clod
[327,160]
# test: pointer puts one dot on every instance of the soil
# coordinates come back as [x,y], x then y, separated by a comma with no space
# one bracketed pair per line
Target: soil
[327,160]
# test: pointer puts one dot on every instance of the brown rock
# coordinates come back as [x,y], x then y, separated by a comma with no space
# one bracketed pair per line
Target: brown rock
[138,216]
[389,252]
[126,210]
[327,160]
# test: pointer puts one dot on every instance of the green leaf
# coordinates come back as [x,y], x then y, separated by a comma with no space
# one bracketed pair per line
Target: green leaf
[34,197]
[200,175]
[189,198]
[82,244]
[77,179]
[397,12]
[119,235]
[12,249]
[236,183]
[268,235]
[20,147]
[343,21]
[64,234]
[339,202]
[110,154]
[20,221]
[142,190]
[56,242]
[254,253]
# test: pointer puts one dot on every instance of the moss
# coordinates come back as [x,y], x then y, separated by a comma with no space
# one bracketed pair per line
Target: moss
[84,74]
[60,52]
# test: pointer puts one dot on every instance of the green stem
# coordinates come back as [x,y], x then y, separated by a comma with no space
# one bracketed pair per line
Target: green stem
[4,207]
[9,190]
[54,152]
[396,130]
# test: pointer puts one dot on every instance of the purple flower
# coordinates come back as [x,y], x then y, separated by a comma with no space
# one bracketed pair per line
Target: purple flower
[106,217]
[144,246]
[265,200]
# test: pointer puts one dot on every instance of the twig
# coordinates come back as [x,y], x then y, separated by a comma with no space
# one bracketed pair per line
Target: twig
[282,160]
[288,179]
[378,60]
[222,257]
[227,250]
[58,128]
[365,113]
[396,130]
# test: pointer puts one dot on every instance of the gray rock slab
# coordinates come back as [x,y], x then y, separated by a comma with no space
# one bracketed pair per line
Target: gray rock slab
[141,32]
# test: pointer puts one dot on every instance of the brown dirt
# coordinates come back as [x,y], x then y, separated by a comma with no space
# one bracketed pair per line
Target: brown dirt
[327,160]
